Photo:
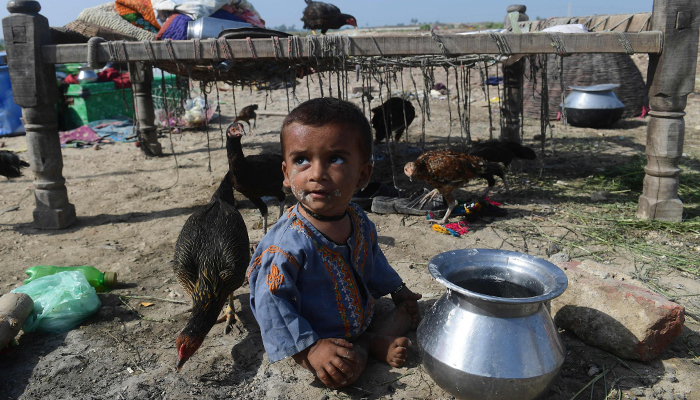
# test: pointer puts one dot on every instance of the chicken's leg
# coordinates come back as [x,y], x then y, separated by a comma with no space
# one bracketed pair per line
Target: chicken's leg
[450,207]
[428,197]
[229,317]
[260,204]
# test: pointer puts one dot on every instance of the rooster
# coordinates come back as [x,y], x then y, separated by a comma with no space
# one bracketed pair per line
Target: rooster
[11,164]
[254,176]
[391,115]
[324,16]
[247,113]
[446,170]
[211,257]
[502,151]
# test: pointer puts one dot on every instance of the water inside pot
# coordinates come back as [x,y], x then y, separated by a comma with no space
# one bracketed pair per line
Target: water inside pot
[498,288]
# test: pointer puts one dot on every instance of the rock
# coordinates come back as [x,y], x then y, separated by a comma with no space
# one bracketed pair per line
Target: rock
[593,371]
[696,361]
[672,378]
[637,392]
[559,258]
[658,390]
[626,320]
[600,196]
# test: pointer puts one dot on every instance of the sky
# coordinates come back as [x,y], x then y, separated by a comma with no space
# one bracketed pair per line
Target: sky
[389,12]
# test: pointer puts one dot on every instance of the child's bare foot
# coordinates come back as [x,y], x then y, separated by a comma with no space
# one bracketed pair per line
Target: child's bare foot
[390,349]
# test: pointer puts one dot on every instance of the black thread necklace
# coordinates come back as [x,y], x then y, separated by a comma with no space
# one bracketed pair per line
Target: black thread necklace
[324,218]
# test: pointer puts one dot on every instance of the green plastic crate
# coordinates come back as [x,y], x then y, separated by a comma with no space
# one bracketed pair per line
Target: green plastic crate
[95,101]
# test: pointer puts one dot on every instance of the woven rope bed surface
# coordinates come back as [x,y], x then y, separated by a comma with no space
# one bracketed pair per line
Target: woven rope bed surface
[587,70]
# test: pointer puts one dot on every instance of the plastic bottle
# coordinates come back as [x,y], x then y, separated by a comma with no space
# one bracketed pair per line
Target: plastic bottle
[100,281]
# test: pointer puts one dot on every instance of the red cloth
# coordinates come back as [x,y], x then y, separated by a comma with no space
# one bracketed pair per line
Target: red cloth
[121,80]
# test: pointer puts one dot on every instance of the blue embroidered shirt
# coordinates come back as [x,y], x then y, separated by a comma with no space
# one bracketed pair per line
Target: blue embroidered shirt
[304,287]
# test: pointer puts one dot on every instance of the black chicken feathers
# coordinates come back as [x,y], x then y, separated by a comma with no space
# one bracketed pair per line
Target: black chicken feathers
[211,256]
[11,164]
[391,115]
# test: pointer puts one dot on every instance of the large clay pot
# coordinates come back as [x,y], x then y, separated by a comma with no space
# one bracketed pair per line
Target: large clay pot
[490,336]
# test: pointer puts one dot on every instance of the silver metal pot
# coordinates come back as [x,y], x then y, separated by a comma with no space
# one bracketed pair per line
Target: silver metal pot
[208,27]
[593,106]
[86,75]
[490,336]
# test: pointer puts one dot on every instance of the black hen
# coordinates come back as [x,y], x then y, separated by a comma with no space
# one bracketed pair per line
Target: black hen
[211,257]
[502,151]
[11,164]
[247,113]
[324,16]
[391,115]
[254,176]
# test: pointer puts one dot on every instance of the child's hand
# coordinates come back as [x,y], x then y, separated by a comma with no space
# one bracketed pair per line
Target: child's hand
[332,361]
[410,301]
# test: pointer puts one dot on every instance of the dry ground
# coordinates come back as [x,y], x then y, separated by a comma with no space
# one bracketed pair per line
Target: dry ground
[131,209]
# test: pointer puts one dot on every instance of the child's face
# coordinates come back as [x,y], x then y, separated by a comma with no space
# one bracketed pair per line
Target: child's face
[323,166]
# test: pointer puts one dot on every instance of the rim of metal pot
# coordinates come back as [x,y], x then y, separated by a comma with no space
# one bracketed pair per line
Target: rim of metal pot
[603,87]
[559,276]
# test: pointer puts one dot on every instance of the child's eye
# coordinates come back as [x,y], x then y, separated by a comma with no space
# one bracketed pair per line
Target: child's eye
[301,161]
[336,160]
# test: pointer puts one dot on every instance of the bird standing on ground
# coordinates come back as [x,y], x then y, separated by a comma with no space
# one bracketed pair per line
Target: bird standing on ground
[211,256]
[446,170]
[502,151]
[11,164]
[247,113]
[254,176]
[396,114]
[324,16]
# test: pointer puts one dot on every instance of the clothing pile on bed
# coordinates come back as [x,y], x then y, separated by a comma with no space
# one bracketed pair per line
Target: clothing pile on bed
[160,19]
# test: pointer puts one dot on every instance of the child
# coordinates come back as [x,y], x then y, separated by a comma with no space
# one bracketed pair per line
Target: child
[314,276]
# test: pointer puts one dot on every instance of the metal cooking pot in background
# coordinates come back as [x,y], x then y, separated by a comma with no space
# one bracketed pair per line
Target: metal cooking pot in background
[208,27]
[86,75]
[593,106]
[490,336]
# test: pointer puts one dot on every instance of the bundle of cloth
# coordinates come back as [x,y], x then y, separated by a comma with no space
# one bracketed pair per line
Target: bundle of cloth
[164,19]
[175,14]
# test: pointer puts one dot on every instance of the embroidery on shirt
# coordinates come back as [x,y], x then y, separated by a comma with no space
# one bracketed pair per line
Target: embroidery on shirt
[271,250]
[360,250]
[345,284]
[274,279]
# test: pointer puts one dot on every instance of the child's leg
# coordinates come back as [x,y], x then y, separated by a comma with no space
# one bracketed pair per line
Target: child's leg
[385,336]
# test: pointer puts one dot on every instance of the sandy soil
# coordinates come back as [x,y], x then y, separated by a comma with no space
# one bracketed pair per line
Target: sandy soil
[130,212]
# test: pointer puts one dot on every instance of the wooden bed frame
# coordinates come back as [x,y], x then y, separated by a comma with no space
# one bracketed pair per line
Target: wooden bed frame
[669,35]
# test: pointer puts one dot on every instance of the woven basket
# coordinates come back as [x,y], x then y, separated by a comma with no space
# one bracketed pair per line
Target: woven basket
[87,30]
[106,15]
[587,70]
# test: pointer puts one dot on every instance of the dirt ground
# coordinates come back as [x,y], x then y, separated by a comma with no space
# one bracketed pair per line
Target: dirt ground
[131,209]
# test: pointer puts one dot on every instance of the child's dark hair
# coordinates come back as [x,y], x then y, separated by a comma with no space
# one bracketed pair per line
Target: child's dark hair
[328,110]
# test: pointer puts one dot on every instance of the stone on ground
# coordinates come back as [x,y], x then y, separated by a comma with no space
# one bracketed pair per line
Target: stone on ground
[626,320]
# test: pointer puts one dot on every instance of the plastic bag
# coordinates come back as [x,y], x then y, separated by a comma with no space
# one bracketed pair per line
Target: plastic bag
[61,302]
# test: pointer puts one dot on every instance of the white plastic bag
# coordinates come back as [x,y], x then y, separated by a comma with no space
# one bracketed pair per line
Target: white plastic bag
[61,302]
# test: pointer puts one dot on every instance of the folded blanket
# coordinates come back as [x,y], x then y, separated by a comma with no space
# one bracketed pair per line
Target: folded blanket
[196,9]
[106,15]
[175,28]
[139,13]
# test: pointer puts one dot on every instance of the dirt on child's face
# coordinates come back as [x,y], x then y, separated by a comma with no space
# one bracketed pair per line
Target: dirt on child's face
[323,166]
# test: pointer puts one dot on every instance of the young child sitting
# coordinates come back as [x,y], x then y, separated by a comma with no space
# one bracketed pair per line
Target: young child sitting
[315,275]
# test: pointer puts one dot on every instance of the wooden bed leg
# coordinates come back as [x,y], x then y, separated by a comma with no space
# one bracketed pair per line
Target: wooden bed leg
[512,84]
[34,88]
[671,77]
[142,82]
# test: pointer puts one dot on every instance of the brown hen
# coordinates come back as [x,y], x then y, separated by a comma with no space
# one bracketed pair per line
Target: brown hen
[446,170]
[324,16]
[247,113]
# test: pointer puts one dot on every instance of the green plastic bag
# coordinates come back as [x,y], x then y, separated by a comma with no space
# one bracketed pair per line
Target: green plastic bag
[61,302]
